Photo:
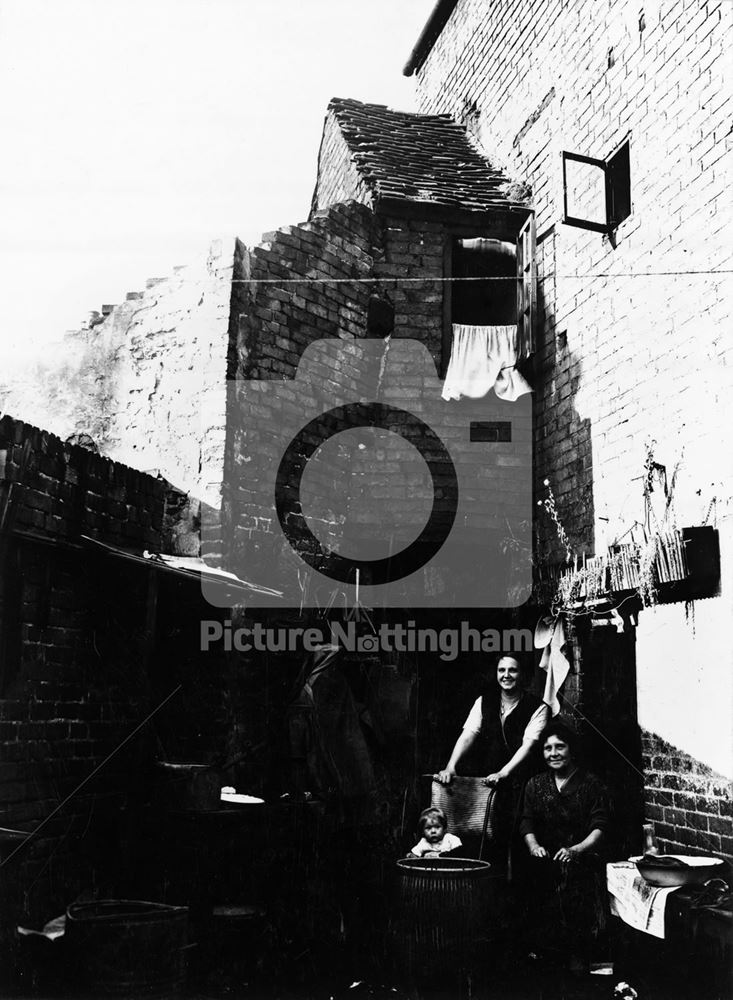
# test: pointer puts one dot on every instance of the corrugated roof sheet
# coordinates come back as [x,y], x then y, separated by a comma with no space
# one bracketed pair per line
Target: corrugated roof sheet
[185,566]
[420,158]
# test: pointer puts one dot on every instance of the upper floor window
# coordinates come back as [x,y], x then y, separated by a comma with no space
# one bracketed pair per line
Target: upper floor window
[493,285]
[485,292]
[597,193]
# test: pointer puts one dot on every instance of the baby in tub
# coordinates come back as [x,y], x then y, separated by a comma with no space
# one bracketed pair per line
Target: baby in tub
[434,837]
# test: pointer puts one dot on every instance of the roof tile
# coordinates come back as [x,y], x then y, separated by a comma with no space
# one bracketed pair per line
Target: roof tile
[419,158]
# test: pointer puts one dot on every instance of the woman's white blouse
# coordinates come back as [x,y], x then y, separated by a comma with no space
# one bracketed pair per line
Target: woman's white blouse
[536,724]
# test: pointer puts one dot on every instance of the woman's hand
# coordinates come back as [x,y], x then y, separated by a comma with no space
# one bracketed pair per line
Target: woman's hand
[445,776]
[492,780]
[538,851]
[566,855]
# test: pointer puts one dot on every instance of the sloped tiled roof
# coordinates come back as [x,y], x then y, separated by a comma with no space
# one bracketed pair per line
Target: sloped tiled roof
[419,158]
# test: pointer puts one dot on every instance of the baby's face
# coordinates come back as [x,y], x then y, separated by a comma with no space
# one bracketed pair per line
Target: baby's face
[434,831]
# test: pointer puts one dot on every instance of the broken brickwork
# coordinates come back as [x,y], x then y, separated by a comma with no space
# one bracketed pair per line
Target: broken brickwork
[146,384]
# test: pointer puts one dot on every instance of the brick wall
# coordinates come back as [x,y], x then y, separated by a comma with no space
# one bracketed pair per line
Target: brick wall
[316,281]
[148,383]
[689,804]
[76,662]
[300,286]
[495,493]
[337,179]
[632,348]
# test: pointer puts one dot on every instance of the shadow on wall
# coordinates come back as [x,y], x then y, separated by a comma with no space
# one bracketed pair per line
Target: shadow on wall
[563,440]
[600,691]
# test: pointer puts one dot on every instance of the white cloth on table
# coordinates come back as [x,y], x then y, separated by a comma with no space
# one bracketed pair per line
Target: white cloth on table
[637,903]
[448,843]
[533,729]
[482,357]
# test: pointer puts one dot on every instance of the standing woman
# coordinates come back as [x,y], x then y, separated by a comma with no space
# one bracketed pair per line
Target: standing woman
[510,722]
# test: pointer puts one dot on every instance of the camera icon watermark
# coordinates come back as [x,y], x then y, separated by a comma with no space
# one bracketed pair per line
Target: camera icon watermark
[355,479]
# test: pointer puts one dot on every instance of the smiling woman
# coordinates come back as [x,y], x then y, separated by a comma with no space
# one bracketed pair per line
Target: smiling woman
[564,821]
[509,721]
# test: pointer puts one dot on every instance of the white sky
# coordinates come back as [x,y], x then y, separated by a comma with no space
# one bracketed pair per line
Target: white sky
[135,131]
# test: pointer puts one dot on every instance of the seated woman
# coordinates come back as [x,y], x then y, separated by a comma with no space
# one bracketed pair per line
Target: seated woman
[564,819]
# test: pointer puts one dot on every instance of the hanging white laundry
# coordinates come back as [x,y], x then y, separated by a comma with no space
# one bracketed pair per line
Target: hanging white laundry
[557,665]
[482,357]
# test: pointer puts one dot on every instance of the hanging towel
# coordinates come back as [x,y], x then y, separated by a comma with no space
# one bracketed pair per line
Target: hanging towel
[482,357]
[556,664]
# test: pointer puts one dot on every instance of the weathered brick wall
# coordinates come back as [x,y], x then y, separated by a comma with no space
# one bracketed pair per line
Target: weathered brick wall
[689,804]
[300,286]
[632,346]
[337,179]
[148,383]
[495,490]
[73,628]
[315,282]
[413,250]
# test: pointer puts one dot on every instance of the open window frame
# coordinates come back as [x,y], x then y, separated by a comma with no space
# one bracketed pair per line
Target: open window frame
[523,234]
[616,172]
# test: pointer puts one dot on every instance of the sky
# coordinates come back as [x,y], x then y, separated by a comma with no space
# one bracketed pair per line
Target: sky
[136,131]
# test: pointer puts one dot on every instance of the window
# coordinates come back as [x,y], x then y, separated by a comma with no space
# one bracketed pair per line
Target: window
[597,193]
[507,294]
[490,302]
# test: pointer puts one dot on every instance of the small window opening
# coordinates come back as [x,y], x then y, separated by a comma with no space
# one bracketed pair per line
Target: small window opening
[490,302]
[597,193]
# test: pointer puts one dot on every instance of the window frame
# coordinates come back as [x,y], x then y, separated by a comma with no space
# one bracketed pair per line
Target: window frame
[610,188]
[524,238]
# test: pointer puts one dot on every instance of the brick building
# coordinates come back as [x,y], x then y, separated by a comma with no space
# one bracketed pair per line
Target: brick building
[632,348]
[618,316]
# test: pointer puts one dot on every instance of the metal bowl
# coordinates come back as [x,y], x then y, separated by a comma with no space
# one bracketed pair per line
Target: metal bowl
[666,877]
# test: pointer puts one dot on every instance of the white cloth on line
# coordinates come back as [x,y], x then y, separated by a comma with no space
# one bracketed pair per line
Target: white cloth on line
[557,665]
[483,357]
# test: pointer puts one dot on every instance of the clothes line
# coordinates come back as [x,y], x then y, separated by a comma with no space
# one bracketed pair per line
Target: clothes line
[444,280]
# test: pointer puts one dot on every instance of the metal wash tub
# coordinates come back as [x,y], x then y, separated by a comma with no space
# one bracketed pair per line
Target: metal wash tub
[442,921]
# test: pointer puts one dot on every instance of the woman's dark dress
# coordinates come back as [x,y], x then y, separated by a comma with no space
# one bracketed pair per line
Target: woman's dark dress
[569,902]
